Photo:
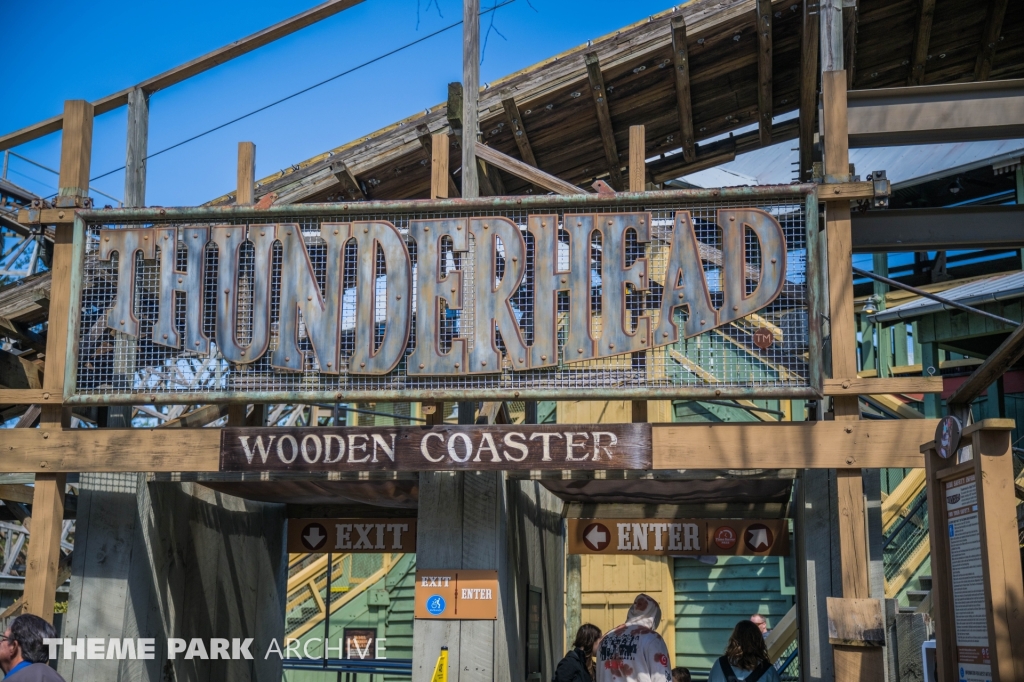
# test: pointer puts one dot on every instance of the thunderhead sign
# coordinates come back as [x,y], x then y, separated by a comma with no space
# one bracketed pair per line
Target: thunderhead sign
[541,301]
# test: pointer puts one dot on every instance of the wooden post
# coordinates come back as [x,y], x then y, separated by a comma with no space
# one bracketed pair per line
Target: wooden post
[439,176]
[470,93]
[851,663]
[48,498]
[637,183]
[138,143]
[246,174]
[244,191]
[992,472]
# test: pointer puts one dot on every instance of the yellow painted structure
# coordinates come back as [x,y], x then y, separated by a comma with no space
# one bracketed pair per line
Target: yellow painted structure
[610,583]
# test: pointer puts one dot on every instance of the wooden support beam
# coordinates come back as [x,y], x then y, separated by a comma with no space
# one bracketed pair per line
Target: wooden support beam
[604,118]
[858,386]
[427,141]
[851,14]
[763,22]
[922,37]
[48,505]
[990,38]
[246,184]
[637,183]
[43,556]
[808,88]
[684,106]
[439,175]
[528,173]
[188,69]
[514,117]
[29,396]
[637,159]
[1005,356]
[136,148]
[75,154]
[348,181]
[794,445]
[470,93]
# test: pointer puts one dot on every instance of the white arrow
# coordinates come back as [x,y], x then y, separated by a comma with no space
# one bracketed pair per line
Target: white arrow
[596,536]
[313,537]
[758,537]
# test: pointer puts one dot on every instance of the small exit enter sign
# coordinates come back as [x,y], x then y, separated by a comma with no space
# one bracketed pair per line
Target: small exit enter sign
[456,594]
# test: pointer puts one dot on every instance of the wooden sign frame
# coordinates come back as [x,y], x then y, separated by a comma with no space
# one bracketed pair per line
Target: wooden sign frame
[992,469]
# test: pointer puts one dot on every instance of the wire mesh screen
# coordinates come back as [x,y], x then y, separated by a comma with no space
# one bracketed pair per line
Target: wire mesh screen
[728,360]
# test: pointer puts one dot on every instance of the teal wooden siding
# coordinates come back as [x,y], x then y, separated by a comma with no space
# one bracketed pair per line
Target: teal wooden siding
[387,606]
[711,599]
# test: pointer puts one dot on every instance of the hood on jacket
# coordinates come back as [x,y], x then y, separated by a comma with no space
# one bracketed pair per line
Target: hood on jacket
[645,612]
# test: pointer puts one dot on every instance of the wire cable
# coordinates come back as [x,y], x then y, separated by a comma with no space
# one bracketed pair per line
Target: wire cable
[311,87]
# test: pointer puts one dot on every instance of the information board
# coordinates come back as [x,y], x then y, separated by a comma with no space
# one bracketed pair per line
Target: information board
[968,580]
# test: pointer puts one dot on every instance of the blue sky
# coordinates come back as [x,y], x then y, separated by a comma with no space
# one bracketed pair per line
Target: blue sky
[117,44]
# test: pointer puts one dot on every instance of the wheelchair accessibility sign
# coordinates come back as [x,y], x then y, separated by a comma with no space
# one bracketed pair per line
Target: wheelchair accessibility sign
[456,594]
[435,605]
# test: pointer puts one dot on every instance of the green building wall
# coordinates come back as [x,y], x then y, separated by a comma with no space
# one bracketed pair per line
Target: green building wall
[710,600]
[386,606]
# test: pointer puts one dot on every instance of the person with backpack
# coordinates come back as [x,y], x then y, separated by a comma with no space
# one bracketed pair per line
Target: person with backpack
[746,657]
[578,664]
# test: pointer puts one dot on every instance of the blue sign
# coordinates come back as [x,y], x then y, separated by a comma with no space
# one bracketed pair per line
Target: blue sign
[951,530]
[435,605]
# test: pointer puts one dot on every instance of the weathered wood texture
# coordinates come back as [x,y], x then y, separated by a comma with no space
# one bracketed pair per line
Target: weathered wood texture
[439,177]
[491,447]
[856,622]
[136,148]
[76,149]
[858,386]
[246,185]
[202,564]
[763,21]
[684,104]
[470,91]
[769,445]
[43,555]
[519,169]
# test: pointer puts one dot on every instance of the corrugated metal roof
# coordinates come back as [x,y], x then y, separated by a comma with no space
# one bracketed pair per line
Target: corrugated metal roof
[999,288]
[903,165]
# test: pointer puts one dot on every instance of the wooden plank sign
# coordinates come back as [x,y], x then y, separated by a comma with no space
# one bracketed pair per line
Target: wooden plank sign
[441,448]
[456,594]
[351,536]
[679,537]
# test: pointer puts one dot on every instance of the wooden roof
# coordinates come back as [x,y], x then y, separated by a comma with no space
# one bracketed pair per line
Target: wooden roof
[560,119]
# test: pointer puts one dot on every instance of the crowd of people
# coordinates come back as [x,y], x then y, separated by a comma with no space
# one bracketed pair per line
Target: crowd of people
[635,652]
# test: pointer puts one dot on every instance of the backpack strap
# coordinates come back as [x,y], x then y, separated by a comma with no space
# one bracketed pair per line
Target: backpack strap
[757,672]
[726,667]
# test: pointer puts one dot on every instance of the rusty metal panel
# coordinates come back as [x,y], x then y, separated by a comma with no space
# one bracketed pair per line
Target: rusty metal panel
[635,295]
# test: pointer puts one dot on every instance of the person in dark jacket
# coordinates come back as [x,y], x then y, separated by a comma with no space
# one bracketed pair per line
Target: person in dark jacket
[24,654]
[577,666]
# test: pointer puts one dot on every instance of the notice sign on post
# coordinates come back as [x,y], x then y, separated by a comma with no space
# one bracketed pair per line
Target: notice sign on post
[351,536]
[456,594]
[679,537]
[968,579]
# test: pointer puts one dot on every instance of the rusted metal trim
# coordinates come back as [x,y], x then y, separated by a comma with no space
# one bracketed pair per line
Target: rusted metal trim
[754,193]
[451,395]
[74,310]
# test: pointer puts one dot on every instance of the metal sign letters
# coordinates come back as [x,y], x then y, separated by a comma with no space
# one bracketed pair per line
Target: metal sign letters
[546,301]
